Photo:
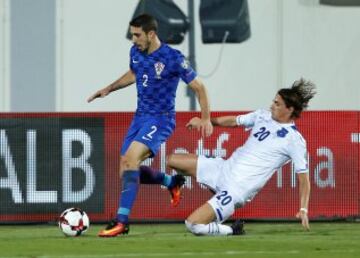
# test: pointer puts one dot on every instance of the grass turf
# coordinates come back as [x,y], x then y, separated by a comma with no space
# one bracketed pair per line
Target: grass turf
[262,240]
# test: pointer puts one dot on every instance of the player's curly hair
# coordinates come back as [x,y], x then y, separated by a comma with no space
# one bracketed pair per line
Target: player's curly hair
[298,96]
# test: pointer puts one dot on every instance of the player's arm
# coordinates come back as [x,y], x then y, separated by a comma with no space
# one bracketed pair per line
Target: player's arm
[246,120]
[224,121]
[304,191]
[205,123]
[125,80]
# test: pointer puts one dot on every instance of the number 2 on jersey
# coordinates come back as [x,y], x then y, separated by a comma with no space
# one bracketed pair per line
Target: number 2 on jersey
[149,136]
[145,78]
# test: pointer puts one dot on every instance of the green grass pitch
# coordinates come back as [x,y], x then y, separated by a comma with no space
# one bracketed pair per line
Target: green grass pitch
[171,240]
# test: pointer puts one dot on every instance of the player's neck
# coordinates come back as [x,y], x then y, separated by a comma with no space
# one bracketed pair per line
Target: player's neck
[287,122]
[283,119]
[154,45]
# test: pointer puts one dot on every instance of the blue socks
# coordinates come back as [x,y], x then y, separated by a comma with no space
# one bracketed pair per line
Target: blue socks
[149,176]
[130,188]
[129,191]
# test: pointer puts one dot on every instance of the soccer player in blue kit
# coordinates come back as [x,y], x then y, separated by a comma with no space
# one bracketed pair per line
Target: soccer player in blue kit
[156,68]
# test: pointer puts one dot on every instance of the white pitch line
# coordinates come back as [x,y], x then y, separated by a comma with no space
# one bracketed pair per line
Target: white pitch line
[226,253]
[197,254]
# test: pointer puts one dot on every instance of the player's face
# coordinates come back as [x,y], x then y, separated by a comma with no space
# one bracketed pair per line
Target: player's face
[141,39]
[279,111]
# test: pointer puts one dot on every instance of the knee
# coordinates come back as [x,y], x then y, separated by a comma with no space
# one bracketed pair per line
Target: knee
[191,227]
[170,160]
[127,162]
[196,229]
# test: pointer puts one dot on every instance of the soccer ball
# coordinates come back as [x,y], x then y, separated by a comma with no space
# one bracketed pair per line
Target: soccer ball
[74,222]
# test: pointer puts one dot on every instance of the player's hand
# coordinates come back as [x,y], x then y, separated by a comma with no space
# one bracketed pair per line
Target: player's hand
[193,123]
[202,125]
[304,219]
[99,94]
[206,127]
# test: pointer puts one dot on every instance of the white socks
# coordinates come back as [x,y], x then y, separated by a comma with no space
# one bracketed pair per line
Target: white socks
[211,229]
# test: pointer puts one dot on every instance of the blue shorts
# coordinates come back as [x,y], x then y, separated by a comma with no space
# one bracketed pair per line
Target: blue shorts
[149,130]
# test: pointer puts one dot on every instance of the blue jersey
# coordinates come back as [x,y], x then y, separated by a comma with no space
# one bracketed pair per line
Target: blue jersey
[157,77]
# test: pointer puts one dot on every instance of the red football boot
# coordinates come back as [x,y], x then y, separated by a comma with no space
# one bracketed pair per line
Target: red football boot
[114,228]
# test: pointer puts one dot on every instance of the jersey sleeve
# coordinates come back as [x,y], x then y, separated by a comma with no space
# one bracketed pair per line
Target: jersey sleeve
[298,155]
[183,68]
[247,120]
[131,54]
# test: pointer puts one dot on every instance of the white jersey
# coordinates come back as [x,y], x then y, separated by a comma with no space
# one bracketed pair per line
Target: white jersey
[269,146]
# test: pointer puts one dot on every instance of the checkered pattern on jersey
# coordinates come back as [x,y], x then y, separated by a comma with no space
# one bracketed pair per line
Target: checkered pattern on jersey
[157,77]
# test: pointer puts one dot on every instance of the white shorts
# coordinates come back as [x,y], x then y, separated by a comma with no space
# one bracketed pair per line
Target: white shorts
[208,171]
[212,173]
[223,205]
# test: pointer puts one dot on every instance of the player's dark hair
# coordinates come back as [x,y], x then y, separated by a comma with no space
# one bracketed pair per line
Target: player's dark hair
[298,96]
[146,22]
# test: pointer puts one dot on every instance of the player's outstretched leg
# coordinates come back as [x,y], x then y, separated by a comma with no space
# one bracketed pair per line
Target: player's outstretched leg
[173,183]
[115,228]
[175,189]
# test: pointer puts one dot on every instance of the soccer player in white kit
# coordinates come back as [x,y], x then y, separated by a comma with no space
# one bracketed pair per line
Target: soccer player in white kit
[273,141]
